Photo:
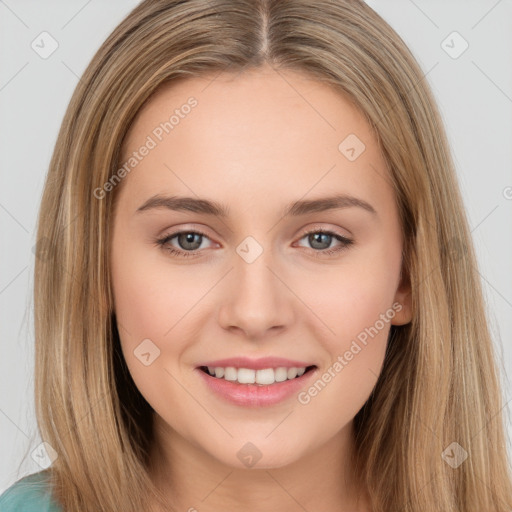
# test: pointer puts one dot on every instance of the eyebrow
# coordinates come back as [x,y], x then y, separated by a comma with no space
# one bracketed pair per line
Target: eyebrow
[207,207]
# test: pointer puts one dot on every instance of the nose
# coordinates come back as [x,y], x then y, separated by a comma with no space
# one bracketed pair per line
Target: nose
[256,299]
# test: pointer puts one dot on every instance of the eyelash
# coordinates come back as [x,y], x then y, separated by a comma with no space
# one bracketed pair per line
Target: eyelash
[162,242]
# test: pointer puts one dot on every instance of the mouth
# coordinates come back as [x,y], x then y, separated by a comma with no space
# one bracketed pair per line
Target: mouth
[260,382]
[261,377]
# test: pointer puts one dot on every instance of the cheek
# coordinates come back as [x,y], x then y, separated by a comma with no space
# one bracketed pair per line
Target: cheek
[152,301]
[150,296]
[353,296]
[355,301]
[360,315]
[138,304]
[147,308]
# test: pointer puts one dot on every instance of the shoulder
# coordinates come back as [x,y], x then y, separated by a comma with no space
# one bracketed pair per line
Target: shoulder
[31,493]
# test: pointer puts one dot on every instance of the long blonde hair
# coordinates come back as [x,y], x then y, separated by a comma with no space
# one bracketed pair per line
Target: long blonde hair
[440,382]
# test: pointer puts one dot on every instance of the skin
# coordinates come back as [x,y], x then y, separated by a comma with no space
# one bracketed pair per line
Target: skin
[255,142]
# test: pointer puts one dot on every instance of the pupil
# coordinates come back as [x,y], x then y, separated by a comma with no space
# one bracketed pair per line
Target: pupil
[317,238]
[188,238]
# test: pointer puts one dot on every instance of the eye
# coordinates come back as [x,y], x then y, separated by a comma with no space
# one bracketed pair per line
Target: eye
[320,240]
[190,242]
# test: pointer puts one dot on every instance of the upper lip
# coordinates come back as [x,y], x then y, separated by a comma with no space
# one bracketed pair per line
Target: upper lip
[256,364]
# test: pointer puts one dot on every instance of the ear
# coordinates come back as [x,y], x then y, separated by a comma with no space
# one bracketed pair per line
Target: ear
[404,298]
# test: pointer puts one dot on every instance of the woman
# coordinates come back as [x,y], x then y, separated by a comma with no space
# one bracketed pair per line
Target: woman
[260,368]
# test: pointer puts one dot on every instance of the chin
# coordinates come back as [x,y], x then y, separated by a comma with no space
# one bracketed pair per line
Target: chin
[258,455]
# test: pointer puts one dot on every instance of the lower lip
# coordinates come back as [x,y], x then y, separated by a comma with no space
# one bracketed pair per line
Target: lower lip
[254,395]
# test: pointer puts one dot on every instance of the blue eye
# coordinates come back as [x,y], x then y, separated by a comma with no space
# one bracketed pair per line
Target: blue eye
[190,241]
[319,236]
[185,238]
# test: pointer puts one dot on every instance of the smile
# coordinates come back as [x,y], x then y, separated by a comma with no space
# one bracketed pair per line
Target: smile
[252,383]
[261,377]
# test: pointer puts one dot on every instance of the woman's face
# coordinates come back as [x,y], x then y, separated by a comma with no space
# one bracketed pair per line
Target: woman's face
[266,150]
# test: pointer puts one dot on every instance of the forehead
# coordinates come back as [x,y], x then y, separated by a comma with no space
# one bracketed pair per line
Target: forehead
[248,132]
[264,99]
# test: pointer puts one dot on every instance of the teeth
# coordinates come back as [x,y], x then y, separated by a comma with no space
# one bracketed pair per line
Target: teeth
[263,377]
[230,373]
[280,374]
[292,372]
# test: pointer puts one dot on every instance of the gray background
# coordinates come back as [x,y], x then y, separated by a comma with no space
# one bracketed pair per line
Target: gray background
[474,92]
